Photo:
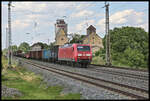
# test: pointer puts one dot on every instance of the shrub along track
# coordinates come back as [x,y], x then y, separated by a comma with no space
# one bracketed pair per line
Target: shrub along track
[132,92]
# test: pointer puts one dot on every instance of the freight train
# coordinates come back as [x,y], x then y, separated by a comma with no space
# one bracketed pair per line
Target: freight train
[73,54]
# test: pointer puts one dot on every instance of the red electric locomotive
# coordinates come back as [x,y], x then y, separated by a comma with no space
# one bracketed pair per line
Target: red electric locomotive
[75,53]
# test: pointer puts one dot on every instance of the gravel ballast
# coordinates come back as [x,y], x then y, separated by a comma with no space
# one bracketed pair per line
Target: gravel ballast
[10,92]
[73,86]
[115,78]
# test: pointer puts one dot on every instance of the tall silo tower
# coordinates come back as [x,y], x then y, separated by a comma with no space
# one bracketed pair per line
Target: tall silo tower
[60,24]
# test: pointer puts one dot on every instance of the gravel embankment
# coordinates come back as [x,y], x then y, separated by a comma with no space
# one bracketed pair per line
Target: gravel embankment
[10,92]
[115,78]
[73,86]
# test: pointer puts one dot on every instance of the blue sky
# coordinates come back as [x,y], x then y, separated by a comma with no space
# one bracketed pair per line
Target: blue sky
[79,15]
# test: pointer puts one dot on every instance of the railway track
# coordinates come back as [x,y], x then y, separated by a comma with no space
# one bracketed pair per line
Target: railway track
[133,92]
[124,68]
[124,74]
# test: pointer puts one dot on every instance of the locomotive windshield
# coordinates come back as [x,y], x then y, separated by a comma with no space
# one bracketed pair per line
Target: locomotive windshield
[83,48]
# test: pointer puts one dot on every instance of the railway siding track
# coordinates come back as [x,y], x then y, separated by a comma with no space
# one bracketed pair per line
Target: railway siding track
[120,88]
[123,68]
[134,82]
[125,74]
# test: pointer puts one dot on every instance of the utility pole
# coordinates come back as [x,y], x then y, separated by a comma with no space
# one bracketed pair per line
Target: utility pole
[108,62]
[87,27]
[9,35]
[7,40]
[6,37]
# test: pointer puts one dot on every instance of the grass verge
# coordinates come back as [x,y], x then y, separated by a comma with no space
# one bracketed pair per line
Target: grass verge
[31,85]
[98,60]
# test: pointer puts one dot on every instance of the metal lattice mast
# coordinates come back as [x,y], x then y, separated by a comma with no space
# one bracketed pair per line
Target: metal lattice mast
[108,62]
[9,35]
[7,41]
[6,37]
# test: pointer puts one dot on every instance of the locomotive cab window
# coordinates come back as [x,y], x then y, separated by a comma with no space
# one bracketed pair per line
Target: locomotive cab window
[83,48]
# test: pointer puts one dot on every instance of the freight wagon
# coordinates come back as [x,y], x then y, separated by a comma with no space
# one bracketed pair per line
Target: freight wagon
[38,55]
[69,54]
[46,54]
[54,53]
[17,53]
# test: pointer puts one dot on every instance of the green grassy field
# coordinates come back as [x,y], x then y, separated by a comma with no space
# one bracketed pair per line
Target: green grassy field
[31,85]
[98,60]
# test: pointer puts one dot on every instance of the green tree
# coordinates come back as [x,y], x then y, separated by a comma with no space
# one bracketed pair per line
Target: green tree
[76,38]
[24,47]
[4,51]
[51,45]
[14,48]
[45,46]
[129,46]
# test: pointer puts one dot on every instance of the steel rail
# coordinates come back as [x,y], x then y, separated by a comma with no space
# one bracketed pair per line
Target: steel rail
[116,67]
[135,76]
[120,88]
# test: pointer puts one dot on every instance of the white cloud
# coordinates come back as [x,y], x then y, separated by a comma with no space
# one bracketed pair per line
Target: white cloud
[20,24]
[128,17]
[82,6]
[101,22]
[82,26]
[144,25]
[82,13]
[120,17]
[43,38]
[29,6]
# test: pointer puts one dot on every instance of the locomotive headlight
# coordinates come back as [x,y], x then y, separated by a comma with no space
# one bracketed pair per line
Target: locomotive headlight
[79,54]
[88,54]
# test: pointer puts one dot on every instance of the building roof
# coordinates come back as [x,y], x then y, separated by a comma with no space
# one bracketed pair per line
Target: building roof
[91,27]
[40,44]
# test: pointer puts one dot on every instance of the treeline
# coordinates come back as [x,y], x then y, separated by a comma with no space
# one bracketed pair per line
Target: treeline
[25,47]
[129,47]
